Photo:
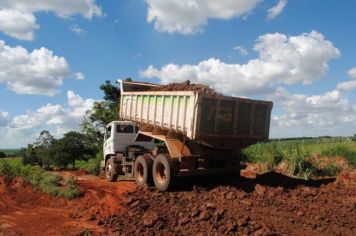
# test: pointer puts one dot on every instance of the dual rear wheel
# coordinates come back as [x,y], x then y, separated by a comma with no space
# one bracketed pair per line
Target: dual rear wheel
[159,171]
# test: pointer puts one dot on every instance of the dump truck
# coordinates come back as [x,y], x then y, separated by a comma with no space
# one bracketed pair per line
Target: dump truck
[163,135]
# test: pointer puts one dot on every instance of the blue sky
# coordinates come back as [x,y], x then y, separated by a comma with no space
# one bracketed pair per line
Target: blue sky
[299,54]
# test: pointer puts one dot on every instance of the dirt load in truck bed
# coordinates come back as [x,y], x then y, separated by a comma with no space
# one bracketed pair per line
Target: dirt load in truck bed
[185,86]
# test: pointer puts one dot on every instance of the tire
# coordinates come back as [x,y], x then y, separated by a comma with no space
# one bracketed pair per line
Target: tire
[163,172]
[110,170]
[143,170]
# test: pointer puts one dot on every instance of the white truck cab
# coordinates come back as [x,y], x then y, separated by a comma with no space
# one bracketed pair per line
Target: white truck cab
[119,135]
[119,145]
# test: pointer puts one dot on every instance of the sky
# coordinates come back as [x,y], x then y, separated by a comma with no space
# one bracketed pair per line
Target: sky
[300,54]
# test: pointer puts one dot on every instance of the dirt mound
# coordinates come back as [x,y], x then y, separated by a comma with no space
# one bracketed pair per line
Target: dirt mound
[185,86]
[267,205]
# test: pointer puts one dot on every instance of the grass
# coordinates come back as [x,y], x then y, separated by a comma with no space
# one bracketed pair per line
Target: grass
[264,153]
[330,170]
[13,160]
[295,155]
[341,150]
[92,166]
[39,178]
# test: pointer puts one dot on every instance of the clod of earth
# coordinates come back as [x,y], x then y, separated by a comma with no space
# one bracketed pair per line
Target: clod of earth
[150,218]
[260,190]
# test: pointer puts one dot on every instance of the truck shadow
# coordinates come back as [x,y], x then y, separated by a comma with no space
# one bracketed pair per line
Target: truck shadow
[270,179]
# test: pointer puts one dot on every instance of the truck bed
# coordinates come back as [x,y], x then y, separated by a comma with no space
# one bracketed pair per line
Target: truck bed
[211,119]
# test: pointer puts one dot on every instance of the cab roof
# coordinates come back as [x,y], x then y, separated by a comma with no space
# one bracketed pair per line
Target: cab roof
[121,122]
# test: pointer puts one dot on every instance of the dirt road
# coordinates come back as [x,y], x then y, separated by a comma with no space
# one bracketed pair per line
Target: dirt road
[24,211]
[265,204]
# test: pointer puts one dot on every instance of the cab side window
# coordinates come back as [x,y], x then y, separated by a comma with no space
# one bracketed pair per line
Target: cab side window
[108,132]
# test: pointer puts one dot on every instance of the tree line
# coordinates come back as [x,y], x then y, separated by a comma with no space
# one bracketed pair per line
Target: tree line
[49,152]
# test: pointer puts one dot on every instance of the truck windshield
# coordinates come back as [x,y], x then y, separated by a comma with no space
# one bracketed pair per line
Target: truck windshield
[125,129]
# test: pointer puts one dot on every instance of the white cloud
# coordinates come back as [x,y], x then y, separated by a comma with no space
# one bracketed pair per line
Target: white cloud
[79,76]
[243,52]
[76,29]
[282,60]
[18,24]
[17,18]
[36,72]
[352,73]
[317,115]
[277,9]
[189,16]
[347,86]
[4,118]
[58,119]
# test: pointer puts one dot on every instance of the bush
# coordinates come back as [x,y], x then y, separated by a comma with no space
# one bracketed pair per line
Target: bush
[2,155]
[6,170]
[48,182]
[95,170]
[92,165]
[29,156]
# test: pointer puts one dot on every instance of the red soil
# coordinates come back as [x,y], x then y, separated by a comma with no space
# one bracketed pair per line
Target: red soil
[25,211]
[265,204]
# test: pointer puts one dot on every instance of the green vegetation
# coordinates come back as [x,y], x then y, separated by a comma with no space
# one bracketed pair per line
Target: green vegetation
[265,154]
[341,150]
[10,152]
[13,160]
[48,182]
[294,157]
[92,166]
[102,113]
[76,149]
[330,170]
[73,146]
[49,152]
[2,155]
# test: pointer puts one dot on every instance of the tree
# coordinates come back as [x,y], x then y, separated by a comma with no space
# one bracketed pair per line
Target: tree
[2,155]
[73,146]
[30,156]
[42,147]
[103,112]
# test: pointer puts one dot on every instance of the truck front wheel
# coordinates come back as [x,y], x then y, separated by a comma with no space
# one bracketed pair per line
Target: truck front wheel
[110,170]
[143,170]
[163,172]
